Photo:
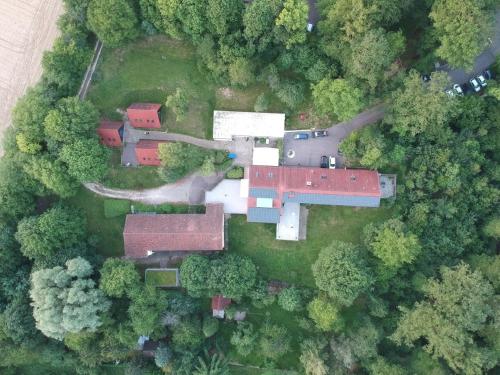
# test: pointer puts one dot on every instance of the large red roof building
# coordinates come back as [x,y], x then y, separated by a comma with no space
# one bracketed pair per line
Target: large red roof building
[110,133]
[145,234]
[144,115]
[146,152]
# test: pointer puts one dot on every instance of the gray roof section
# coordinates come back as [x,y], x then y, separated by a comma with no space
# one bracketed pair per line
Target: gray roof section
[332,200]
[263,193]
[263,215]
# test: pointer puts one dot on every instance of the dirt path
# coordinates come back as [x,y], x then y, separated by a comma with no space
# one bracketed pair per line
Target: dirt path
[27,29]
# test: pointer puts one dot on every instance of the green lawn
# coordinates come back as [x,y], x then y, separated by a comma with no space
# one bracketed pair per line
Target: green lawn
[161,278]
[291,261]
[142,177]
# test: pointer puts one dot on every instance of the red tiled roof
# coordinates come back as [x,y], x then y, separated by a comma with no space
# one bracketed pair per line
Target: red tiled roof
[174,232]
[144,115]
[354,182]
[219,302]
[146,152]
[109,133]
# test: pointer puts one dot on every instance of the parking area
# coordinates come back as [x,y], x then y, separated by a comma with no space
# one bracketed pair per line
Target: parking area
[308,152]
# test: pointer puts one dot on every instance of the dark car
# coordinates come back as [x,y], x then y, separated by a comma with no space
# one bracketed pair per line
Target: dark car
[301,136]
[487,74]
[324,162]
[319,133]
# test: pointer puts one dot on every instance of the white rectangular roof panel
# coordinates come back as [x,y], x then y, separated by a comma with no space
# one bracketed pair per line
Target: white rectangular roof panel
[266,156]
[229,124]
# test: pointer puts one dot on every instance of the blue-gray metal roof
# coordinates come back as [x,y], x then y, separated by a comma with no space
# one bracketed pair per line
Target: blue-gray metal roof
[332,200]
[263,215]
[263,193]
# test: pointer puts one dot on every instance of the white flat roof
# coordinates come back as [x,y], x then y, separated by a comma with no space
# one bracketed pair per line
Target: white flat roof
[266,156]
[288,227]
[228,124]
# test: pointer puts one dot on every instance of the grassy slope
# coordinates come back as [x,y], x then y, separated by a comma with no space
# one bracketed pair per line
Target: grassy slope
[161,278]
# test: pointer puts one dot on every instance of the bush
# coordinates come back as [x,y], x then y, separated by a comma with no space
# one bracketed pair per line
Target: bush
[163,355]
[262,103]
[115,208]
[290,299]
[235,173]
[324,314]
[210,326]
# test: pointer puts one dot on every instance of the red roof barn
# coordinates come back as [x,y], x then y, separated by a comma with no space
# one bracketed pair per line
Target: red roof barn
[111,133]
[146,152]
[145,233]
[144,115]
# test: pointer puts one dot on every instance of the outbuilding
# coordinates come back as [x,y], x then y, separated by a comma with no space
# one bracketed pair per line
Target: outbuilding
[146,152]
[219,304]
[144,115]
[110,133]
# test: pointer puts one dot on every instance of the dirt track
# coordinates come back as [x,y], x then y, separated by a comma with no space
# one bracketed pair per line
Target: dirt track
[27,29]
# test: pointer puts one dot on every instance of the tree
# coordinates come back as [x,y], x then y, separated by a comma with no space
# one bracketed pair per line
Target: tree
[53,175]
[70,120]
[65,299]
[214,364]
[178,103]
[223,15]
[392,243]
[290,299]
[244,338]
[145,310]
[341,271]
[312,358]
[241,72]
[119,278]
[382,367]
[18,322]
[337,97]
[259,20]
[292,21]
[192,14]
[55,229]
[274,341]
[232,276]
[163,356]
[178,159]
[325,314]
[87,160]
[290,93]
[366,147]
[488,266]
[372,55]
[455,310]
[64,65]
[492,228]
[194,273]
[421,108]
[463,28]
[210,326]
[187,335]
[113,21]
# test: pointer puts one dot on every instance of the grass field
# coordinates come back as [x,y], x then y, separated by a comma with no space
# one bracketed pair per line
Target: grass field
[291,261]
[152,68]
[161,277]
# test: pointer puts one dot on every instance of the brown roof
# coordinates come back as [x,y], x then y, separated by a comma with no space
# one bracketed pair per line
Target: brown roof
[219,302]
[174,232]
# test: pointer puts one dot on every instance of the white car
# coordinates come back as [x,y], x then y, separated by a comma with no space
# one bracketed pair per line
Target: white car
[450,93]
[475,85]
[482,80]
[310,27]
[458,89]
[331,162]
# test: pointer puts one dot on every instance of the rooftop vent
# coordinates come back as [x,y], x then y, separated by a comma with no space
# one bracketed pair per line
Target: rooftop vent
[353,178]
[309,183]
[323,177]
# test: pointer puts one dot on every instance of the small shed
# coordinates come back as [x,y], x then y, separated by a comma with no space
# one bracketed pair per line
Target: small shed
[146,152]
[144,115]
[266,156]
[110,133]
[219,304]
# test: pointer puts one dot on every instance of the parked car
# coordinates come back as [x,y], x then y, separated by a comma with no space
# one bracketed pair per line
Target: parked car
[482,80]
[331,162]
[310,27]
[319,133]
[324,162]
[458,89]
[301,136]
[450,92]
[475,84]
[487,74]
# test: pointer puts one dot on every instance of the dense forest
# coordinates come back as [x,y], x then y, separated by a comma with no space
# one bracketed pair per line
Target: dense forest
[420,295]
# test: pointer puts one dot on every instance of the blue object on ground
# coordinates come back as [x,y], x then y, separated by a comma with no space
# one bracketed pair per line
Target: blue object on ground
[231,156]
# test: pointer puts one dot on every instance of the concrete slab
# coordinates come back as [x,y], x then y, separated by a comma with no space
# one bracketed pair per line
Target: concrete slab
[289,225]
[228,193]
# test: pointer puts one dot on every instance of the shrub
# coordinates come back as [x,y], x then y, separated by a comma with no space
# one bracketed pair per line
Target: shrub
[262,103]
[290,299]
[210,326]
[163,355]
[324,314]
[235,173]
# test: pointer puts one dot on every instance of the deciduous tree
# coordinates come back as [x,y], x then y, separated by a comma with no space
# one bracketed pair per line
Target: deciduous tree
[324,314]
[274,341]
[87,159]
[178,103]
[337,97]
[119,278]
[292,22]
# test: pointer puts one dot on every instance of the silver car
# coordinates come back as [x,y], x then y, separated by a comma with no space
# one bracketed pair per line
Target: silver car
[475,85]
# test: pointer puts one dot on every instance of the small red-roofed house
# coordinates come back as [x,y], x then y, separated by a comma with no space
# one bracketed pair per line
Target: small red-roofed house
[219,304]
[111,133]
[146,152]
[144,115]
